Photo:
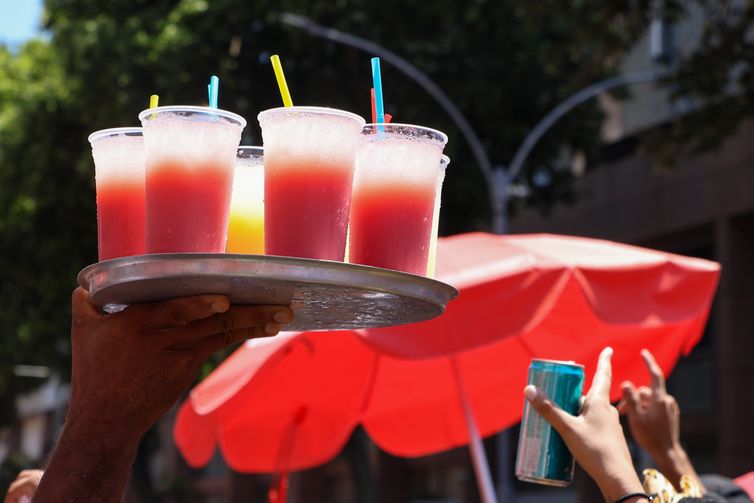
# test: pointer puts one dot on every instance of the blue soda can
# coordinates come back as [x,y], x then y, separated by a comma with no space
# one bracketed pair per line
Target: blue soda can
[543,457]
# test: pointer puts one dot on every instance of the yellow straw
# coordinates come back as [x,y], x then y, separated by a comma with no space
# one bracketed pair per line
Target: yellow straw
[280,76]
[154,101]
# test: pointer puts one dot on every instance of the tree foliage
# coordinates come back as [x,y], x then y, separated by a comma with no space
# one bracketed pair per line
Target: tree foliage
[716,79]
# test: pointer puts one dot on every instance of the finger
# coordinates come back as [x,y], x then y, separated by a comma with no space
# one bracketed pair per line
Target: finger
[21,486]
[82,308]
[214,343]
[602,377]
[557,417]
[25,476]
[630,399]
[658,379]
[180,312]
[236,318]
[35,473]
[645,394]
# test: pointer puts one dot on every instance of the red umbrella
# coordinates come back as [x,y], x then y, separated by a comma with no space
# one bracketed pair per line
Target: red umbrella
[291,402]
[295,398]
[526,286]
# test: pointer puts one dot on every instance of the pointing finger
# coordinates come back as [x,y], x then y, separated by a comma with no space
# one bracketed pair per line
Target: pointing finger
[658,379]
[602,377]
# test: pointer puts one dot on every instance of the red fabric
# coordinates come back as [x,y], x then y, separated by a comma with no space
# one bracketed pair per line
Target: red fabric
[288,403]
[510,285]
[746,482]
[291,402]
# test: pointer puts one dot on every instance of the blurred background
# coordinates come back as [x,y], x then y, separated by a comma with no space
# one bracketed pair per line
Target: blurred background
[660,154]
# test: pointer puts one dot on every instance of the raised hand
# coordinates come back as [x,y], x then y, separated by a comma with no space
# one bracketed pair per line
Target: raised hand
[654,419]
[595,437]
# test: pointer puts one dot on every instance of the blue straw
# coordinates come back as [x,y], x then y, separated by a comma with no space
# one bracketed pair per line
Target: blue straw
[379,107]
[213,90]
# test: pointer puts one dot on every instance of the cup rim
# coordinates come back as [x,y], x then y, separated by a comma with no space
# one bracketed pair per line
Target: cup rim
[444,160]
[115,131]
[321,110]
[371,127]
[196,109]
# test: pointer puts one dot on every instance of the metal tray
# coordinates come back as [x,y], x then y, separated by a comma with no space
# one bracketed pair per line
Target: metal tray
[324,295]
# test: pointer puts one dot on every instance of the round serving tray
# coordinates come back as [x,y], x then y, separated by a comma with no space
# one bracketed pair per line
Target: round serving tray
[324,295]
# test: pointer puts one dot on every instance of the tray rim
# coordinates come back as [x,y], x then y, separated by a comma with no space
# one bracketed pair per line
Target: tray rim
[441,289]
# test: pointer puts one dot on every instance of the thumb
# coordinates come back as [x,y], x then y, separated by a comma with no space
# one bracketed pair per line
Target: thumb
[83,311]
[557,417]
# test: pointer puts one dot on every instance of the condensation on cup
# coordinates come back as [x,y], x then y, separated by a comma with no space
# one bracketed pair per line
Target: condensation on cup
[309,157]
[190,161]
[394,196]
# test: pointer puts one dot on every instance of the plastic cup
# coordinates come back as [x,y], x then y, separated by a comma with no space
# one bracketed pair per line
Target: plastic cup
[308,169]
[246,223]
[444,161]
[394,196]
[190,160]
[119,175]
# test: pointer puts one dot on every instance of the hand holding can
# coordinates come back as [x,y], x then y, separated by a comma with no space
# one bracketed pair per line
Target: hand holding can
[594,436]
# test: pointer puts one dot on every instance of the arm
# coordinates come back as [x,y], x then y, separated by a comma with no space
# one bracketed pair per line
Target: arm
[595,437]
[654,420]
[128,369]
[88,464]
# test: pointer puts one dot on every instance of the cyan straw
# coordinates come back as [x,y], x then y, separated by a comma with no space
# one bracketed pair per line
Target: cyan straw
[378,104]
[213,89]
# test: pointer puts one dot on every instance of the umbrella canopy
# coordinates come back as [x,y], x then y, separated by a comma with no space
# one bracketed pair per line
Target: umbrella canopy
[295,398]
[291,402]
[545,289]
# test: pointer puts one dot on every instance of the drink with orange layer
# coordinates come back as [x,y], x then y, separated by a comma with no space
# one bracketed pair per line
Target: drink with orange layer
[444,161]
[246,224]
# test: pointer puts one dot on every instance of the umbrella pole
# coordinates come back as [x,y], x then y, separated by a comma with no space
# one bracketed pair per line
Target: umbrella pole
[478,456]
[279,494]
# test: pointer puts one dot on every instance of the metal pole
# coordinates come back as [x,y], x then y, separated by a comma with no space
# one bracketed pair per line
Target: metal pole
[500,219]
[569,104]
[478,456]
